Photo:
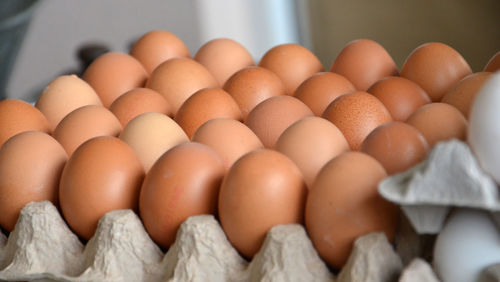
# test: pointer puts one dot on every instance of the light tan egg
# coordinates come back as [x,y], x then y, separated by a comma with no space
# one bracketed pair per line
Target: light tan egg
[152,134]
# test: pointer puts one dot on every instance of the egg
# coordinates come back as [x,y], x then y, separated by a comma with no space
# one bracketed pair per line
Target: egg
[436,67]
[399,95]
[319,90]
[177,79]
[261,190]
[31,163]
[483,130]
[230,138]
[157,46]
[223,57]
[113,74]
[463,93]
[184,182]
[152,134]
[252,85]
[356,115]
[310,143]
[63,95]
[138,101]
[396,145]
[292,63]
[494,63]
[102,175]
[364,62]
[344,204]
[85,123]
[17,116]
[467,245]
[439,122]
[204,105]
[270,118]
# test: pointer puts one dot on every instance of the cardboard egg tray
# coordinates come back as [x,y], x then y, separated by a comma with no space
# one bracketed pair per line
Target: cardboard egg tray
[43,248]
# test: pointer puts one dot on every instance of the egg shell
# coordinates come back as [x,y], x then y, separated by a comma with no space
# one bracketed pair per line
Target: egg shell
[436,67]
[103,174]
[319,90]
[252,85]
[31,164]
[85,123]
[230,138]
[462,95]
[63,95]
[401,96]
[223,57]
[204,105]
[310,143]
[139,101]
[270,118]
[17,116]
[184,182]
[356,115]
[292,63]
[344,204]
[157,46]
[467,245]
[113,74]
[396,145]
[483,130]
[152,134]
[178,78]
[439,122]
[494,63]
[261,190]
[364,62]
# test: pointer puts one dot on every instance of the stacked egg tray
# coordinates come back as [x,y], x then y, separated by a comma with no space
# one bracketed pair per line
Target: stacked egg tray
[43,248]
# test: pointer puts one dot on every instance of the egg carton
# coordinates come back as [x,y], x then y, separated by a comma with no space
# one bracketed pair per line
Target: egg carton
[450,177]
[43,248]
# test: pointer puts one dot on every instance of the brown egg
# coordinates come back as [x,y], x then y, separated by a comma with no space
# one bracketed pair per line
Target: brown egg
[344,204]
[270,118]
[113,74]
[184,182]
[139,101]
[85,123]
[439,122]
[151,135]
[396,145]
[356,115]
[31,163]
[223,57]
[63,95]
[104,174]
[157,46]
[252,85]
[292,63]
[204,105]
[177,79]
[230,138]
[318,91]
[436,67]
[364,62]
[494,63]
[400,96]
[262,189]
[17,116]
[310,143]
[462,95]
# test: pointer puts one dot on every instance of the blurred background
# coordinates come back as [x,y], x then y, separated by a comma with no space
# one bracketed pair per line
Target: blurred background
[47,35]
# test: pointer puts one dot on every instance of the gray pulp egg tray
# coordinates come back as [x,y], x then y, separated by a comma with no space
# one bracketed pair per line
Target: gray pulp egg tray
[43,248]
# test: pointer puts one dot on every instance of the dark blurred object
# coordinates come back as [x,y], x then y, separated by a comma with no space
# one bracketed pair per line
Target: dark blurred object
[88,53]
[15,16]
